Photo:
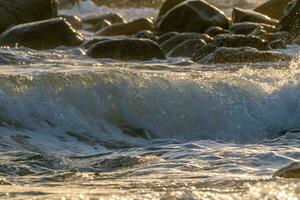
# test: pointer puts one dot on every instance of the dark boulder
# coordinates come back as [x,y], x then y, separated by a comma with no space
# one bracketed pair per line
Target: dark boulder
[161,39]
[215,30]
[246,28]
[129,28]
[272,8]
[182,37]
[242,15]
[192,16]
[203,51]
[45,34]
[229,40]
[187,48]
[290,20]
[243,55]
[232,41]
[278,44]
[284,36]
[14,12]
[168,5]
[126,49]
[89,43]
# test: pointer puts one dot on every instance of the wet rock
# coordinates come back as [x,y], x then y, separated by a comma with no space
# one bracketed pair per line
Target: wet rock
[93,41]
[246,28]
[168,5]
[215,30]
[272,8]
[75,21]
[113,18]
[187,48]
[126,49]
[291,171]
[129,28]
[203,52]
[182,37]
[242,15]
[45,34]
[192,16]
[278,44]
[284,36]
[243,55]
[146,35]
[14,12]
[166,36]
[290,20]
[229,40]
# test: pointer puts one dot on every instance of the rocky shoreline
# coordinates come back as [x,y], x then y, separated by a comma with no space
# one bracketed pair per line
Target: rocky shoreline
[193,29]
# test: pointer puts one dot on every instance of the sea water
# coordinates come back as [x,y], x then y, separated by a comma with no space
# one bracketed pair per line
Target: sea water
[73,127]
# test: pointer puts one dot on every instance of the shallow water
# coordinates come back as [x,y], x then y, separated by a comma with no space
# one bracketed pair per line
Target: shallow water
[200,132]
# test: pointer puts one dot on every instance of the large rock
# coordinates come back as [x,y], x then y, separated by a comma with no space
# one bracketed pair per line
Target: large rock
[278,44]
[161,39]
[291,171]
[284,36]
[203,51]
[129,28]
[231,41]
[272,8]
[290,20]
[182,37]
[187,48]
[215,30]
[168,5]
[248,27]
[192,16]
[243,55]
[14,12]
[126,49]
[45,34]
[242,15]
[228,40]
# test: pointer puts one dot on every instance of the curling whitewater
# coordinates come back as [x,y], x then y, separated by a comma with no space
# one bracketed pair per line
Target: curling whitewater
[164,100]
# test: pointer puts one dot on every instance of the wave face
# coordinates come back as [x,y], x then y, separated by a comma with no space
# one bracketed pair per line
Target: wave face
[245,105]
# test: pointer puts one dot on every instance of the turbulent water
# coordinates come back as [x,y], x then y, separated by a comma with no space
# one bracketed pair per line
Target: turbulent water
[73,127]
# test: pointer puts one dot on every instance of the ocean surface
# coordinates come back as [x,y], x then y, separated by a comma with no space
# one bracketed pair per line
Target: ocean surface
[72,127]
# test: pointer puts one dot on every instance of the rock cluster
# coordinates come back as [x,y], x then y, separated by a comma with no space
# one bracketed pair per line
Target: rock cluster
[183,28]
